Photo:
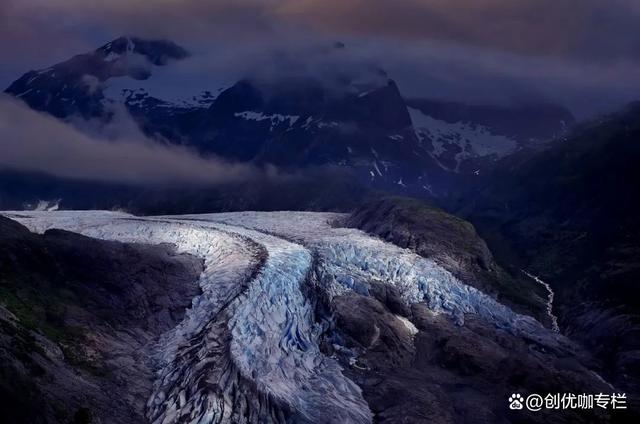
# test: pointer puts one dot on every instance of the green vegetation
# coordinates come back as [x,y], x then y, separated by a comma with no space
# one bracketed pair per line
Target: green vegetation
[46,315]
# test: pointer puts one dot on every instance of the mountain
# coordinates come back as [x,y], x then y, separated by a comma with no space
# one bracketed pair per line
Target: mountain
[74,87]
[355,120]
[396,311]
[570,216]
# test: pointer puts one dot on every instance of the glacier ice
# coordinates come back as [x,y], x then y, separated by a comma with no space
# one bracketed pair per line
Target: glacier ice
[247,350]
[349,258]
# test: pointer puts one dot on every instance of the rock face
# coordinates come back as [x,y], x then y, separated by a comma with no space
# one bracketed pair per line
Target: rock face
[449,240]
[78,321]
[302,123]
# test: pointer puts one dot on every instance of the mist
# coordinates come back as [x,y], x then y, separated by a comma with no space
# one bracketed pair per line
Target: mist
[34,142]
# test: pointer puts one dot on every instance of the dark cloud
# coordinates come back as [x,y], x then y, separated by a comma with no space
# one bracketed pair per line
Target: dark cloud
[583,29]
[479,75]
[583,53]
[31,141]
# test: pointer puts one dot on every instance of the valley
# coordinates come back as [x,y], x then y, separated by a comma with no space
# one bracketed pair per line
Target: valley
[297,314]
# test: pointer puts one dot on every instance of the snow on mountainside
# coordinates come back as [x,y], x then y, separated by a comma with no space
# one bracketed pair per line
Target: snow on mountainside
[75,87]
[454,143]
[529,124]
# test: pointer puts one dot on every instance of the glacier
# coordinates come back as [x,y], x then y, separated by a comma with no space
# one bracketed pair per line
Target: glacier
[248,348]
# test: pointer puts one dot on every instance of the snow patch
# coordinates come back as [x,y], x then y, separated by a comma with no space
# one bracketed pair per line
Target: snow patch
[408,325]
[472,140]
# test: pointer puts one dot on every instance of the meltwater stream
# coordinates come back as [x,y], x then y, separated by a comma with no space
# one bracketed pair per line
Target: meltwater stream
[247,350]
[550,295]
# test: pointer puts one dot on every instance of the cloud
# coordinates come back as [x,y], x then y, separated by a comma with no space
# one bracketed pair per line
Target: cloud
[458,72]
[582,53]
[31,141]
[429,69]
[581,28]
[568,28]
[574,28]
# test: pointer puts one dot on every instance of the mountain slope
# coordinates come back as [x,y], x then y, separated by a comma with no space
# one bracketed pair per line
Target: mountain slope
[78,319]
[470,138]
[570,215]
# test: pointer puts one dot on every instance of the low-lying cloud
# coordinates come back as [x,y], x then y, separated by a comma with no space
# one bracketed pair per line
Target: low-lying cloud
[448,71]
[34,142]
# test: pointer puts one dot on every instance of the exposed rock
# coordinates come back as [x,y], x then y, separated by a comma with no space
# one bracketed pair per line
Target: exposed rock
[451,374]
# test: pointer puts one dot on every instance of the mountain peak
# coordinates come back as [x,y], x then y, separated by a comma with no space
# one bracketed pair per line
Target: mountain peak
[158,52]
[74,86]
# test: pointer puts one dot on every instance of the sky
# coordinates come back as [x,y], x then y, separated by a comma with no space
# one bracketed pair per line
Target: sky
[581,53]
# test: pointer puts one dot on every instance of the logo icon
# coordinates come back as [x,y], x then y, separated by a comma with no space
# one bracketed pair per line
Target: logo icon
[515,401]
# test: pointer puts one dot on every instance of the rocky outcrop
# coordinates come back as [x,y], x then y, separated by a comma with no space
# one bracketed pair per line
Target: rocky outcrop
[431,370]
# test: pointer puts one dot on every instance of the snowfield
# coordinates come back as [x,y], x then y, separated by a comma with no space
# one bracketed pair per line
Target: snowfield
[471,140]
[248,348]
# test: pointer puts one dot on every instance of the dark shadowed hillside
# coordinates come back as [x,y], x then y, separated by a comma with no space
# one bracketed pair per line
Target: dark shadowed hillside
[570,215]
[78,319]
